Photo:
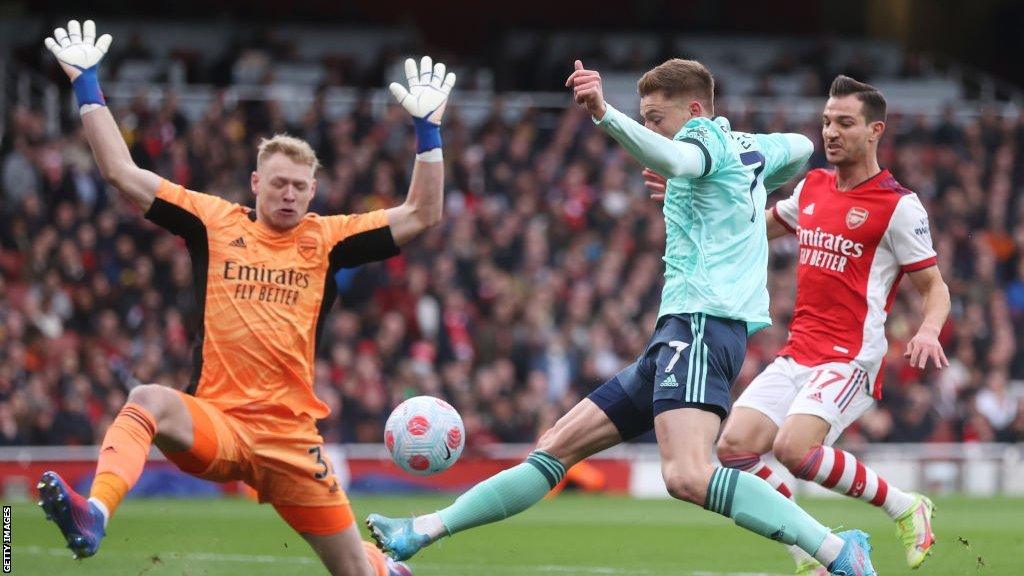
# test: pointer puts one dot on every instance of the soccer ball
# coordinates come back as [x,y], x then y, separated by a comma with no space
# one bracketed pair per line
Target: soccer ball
[424,435]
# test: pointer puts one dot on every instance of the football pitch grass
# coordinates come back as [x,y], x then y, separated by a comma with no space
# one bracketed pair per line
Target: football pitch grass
[568,536]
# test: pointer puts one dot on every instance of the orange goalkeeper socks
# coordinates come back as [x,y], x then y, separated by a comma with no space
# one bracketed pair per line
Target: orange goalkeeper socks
[109,489]
[123,455]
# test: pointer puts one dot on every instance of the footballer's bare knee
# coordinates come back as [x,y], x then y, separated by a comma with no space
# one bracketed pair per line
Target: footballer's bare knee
[156,399]
[685,439]
[790,450]
[798,436]
[735,451]
[687,483]
[732,445]
[746,432]
[173,421]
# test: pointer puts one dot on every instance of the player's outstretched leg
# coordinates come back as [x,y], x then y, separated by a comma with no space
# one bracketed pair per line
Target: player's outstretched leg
[341,551]
[507,493]
[748,435]
[122,456]
[79,520]
[585,430]
[842,472]
[753,463]
[685,436]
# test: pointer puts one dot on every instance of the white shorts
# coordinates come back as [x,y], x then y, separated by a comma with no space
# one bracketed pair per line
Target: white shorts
[836,392]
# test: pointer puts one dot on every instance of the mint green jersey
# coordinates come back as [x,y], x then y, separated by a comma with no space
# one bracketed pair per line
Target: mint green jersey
[716,249]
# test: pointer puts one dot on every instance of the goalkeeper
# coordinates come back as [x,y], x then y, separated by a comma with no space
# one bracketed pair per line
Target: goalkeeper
[263,281]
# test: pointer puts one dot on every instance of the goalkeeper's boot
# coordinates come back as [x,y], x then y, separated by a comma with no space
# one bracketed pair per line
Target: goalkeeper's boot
[855,557]
[810,567]
[395,536]
[79,520]
[914,529]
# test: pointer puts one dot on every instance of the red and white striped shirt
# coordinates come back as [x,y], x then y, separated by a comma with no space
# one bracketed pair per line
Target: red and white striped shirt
[854,248]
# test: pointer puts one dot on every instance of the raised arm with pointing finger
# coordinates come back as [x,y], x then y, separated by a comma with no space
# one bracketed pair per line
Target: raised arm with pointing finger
[659,144]
[714,295]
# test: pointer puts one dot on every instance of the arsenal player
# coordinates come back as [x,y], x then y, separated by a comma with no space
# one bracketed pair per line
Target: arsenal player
[859,232]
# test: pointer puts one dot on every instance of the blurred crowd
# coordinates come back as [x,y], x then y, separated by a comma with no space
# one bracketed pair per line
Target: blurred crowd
[524,60]
[543,281]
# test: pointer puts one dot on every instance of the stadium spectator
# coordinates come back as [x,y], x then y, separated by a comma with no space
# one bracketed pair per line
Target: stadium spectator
[543,280]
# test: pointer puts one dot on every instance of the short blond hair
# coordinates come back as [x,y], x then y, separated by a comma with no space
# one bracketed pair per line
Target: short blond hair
[295,148]
[678,77]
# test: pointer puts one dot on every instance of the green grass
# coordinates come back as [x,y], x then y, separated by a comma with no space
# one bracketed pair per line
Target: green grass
[568,536]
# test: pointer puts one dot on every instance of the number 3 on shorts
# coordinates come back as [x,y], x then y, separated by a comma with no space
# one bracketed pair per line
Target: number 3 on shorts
[320,460]
[679,346]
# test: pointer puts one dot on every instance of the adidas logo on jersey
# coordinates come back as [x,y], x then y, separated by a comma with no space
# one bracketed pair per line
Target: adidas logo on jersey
[670,382]
[238,242]
[809,210]
[816,397]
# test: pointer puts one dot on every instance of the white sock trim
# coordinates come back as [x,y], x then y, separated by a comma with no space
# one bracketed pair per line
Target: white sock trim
[897,502]
[103,510]
[431,525]
[432,155]
[829,550]
[86,108]
[798,554]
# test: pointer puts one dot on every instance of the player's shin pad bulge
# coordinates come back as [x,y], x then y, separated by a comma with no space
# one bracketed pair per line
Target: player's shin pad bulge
[761,526]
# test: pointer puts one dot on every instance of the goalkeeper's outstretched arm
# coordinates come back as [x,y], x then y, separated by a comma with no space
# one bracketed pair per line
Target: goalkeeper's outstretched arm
[116,164]
[425,99]
[79,53]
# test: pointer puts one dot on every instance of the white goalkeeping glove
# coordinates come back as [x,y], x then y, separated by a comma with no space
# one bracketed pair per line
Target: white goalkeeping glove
[79,53]
[425,99]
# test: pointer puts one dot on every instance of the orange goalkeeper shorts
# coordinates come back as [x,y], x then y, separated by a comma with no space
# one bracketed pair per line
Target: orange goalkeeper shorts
[284,463]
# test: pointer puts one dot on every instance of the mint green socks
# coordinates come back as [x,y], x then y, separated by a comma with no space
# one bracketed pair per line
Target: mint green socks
[504,494]
[753,504]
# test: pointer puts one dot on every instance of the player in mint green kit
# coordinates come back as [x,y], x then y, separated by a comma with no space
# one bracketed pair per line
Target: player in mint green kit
[715,295]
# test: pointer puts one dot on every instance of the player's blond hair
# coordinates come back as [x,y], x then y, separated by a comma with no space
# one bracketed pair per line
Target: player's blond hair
[295,148]
[678,77]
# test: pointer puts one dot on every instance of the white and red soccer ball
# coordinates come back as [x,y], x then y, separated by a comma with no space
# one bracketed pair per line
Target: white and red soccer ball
[424,435]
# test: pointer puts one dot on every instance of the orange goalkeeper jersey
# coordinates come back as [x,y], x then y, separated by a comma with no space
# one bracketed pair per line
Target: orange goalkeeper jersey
[263,295]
